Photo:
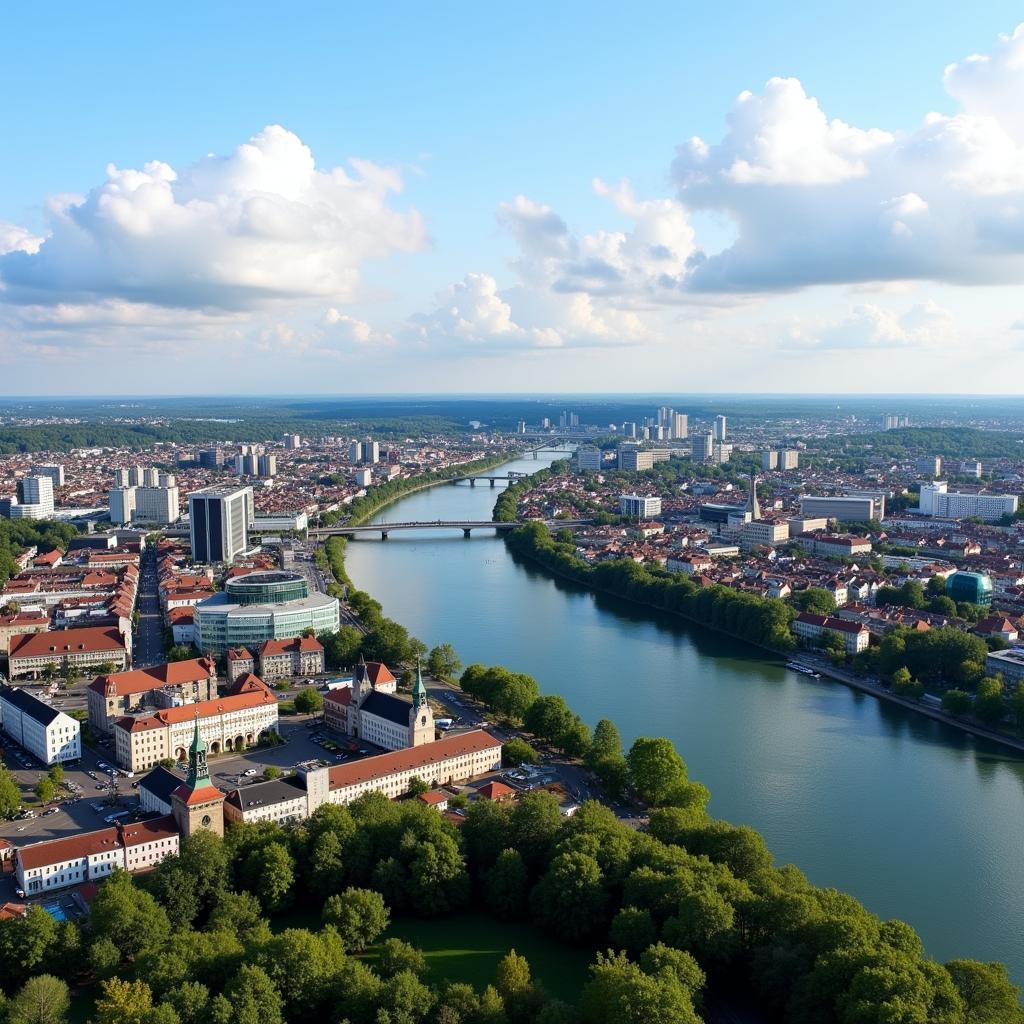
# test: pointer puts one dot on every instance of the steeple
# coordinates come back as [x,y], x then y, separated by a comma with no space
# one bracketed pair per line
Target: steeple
[419,691]
[753,506]
[198,771]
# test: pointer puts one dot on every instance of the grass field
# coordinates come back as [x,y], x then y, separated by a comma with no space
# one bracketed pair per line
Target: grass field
[467,948]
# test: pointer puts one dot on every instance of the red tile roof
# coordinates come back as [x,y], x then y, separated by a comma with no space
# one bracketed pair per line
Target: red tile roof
[142,680]
[92,639]
[200,709]
[377,672]
[294,645]
[410,758]
[191,797]
[73,847]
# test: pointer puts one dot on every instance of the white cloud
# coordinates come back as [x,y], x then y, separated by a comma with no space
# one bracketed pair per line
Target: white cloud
[229,232]
[817,201]
[924,325]
[14,238]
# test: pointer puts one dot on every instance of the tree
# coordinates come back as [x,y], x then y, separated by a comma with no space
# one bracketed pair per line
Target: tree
[104,957]
[505,885]
[251,997]
[655,769]
[190,1000]
[988,702]
[443,662]
[45,790]
[10,794]
[633,930]
[988,995]
[271,772]
[181,652]
[269,873]
[397,956]
[513,977]
[342,648]
[130,918]
[42,1000]
[517,751]
[1017,706]
[956,702]
[360,916]
[606,744]
[816,600]
[570,899]
[125,1002]
[56,774]
[417,786]
[25,945]
[620,992]
[309,701]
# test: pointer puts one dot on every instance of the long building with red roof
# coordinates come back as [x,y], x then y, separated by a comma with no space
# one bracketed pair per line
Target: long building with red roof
[29,654]
[229,723]
[121,693]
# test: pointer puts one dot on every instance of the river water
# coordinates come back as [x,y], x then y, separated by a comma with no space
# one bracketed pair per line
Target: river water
[916,819]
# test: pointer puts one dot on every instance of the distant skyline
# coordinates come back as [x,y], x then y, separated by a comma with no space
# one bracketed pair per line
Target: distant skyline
[539,199]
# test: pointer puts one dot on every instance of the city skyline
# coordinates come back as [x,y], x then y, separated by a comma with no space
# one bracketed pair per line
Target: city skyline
[695,211]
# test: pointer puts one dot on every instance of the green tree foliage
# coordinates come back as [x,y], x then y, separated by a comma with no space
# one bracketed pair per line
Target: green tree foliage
[944,656]
[309,701]
[816,600]
[633,930]
[988,995]
[129,917]
[506,886]
[10,794]
[989,702]
[510,693]
[26,944]
[656,771]
[43,999]
[45,790]
[443,662]
[956,702]
[341,649]
[621,992]
[56,773]
[908,595]
[551,718]
[359,916]
[570,899]
[517,751]
[396,957]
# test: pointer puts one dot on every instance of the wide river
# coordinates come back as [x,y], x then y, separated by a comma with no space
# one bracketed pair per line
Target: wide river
[916,819]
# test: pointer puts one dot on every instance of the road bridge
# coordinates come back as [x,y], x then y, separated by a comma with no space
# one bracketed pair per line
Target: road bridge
[467,526]
[511,477]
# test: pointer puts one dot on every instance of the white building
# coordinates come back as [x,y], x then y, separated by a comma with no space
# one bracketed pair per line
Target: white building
[634,457]
[54,472]
[719,428]
[91,856]
[937,500]
[588,459]
[292,442]
[279,522]
[157,504]
[41,729]
[848,508]
[636,506]
[761,532]
[122,504]
[34,500]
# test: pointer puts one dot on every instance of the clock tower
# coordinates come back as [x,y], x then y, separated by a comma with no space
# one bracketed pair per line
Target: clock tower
[197,804]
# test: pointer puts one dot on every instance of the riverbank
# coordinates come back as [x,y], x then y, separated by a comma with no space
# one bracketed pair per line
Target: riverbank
[821,665]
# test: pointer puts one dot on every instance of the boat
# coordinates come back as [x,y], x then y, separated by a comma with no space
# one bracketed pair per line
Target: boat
[804,670]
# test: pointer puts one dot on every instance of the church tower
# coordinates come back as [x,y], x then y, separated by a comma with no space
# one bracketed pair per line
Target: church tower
[197,804]
[421,718]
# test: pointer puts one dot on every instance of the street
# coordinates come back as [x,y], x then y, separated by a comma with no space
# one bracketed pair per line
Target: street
[148,641]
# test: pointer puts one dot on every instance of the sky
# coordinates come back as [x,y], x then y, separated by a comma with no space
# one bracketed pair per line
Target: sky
[571,197]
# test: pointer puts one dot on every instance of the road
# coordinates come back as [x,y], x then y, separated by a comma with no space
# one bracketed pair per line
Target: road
[148,640]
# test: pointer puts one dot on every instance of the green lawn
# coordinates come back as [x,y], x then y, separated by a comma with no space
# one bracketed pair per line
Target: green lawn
[467,948]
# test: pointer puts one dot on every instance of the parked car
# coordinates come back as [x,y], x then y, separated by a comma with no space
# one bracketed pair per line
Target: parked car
[249,771]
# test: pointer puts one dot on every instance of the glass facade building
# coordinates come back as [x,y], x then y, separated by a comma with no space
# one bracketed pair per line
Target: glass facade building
[973,587]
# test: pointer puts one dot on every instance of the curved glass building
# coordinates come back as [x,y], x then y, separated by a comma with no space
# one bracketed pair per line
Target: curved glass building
[974,587]
[272,605]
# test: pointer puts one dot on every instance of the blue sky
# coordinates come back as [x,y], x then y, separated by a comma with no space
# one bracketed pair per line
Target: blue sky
[436,283]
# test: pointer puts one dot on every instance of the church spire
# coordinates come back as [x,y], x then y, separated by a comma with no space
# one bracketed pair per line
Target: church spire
[419,691]
[198,771]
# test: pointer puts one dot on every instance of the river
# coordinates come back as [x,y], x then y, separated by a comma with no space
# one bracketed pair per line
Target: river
[916,819]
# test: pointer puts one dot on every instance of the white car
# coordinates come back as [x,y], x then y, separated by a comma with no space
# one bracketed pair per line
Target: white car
[250,771]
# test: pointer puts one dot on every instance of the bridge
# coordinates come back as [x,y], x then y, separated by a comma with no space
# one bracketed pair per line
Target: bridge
[467,526]
[511,477]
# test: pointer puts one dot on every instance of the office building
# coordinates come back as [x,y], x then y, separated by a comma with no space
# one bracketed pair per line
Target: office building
[702,447]
[891,422]
[629,430]
[680,426]
[1009,664]
[355,453]
[371,452]
[157,504]
[46,733]
[632,456]
[279,522]
[364,477]
[122,503]
[588,459]
[760,532]
[720,452]
[970,467]
[211,458]
[930,466]
[121,478]
[219,520]
[54,472]
[786,458]
[972,587]
[937,500]
[769,460]
[292,442]
[272,605]
[847,508]
[150,477]
[635,506]
[34,499]
[246,464]
[719,428]
[267,465]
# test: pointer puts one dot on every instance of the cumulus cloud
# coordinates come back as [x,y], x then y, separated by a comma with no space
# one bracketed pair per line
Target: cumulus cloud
[924,325]
[230,232]
[817,201]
